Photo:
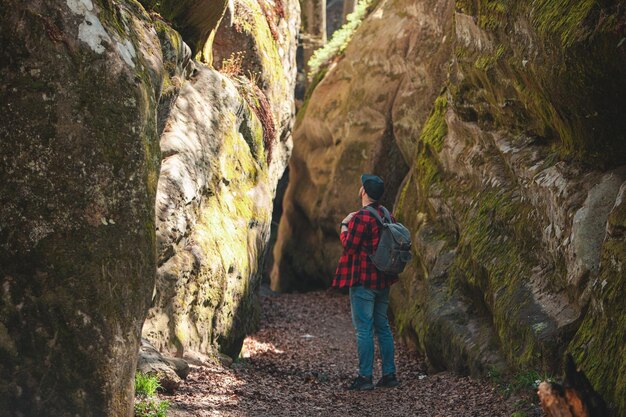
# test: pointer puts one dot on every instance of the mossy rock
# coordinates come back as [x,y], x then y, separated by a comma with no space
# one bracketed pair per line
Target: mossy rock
[195,20]
[77,227]
[468,184]
[548,82]
[598,345]
[176,63]
[214,208]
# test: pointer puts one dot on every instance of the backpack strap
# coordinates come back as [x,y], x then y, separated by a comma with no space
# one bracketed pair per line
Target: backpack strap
[374,212]
[387,214]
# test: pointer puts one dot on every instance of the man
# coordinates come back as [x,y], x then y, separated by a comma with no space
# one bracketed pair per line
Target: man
[369,288]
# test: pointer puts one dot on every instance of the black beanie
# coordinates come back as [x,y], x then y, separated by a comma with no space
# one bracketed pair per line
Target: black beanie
[373,185]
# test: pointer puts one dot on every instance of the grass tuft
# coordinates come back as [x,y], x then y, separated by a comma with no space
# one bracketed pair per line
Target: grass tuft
[151,408]
[146,385]
[146,403]
[233,66]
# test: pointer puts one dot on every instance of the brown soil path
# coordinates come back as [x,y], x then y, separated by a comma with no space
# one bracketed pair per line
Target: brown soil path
[300,361]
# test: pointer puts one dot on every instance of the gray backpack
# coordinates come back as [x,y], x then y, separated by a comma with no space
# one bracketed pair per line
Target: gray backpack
[394,246]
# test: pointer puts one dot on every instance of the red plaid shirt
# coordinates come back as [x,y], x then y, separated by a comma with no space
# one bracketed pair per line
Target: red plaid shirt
[359,242]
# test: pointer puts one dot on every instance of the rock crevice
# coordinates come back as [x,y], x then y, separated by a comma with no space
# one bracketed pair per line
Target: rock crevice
[505,115]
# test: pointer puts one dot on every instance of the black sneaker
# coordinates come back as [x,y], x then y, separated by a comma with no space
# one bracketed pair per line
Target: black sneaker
[388,381]
[361,383]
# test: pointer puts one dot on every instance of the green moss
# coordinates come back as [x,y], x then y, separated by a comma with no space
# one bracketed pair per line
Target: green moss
[562,18]
[254,23]
[431,141]
[466,6]
[258,136]
[565,98]
[427,168]
[485,62]
[566,20]
[319,76]
[226,237]
[598,347]
[435,129]
[495,254]
[493,13]
[399,207]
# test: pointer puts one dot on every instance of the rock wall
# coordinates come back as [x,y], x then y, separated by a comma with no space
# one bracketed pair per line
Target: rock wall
[225,145]
[354,123]
[196,20]
[79,168]
[88,88]
[259,40]
[507,116]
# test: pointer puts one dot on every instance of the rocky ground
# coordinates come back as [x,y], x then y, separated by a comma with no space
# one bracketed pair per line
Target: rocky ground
[302,358]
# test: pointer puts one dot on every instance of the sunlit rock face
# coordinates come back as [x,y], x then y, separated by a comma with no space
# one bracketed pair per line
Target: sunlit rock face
[80,83]
[88,89]
[213,208]
[258,40]
[508,117]
[225,145]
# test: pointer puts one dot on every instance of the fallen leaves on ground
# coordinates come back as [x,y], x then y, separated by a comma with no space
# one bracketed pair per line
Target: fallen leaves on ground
[300,362]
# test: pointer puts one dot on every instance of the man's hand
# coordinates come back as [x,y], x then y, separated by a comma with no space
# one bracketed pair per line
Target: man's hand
[344,222]
[348,218]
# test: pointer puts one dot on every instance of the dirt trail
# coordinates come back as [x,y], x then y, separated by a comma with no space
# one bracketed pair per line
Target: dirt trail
[300,361]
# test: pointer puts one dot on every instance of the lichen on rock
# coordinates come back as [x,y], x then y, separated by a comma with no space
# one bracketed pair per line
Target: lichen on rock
[259,40]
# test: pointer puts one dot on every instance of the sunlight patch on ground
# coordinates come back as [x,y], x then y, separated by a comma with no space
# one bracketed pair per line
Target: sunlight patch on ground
[253,347]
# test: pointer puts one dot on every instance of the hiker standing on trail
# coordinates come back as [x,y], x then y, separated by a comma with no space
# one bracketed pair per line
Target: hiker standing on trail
[369,287]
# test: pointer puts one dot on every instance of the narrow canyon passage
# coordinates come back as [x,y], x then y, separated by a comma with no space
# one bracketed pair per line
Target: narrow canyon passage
[142,148]
[301,360]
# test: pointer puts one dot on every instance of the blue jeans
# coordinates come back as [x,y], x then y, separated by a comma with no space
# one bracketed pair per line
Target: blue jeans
[369,315]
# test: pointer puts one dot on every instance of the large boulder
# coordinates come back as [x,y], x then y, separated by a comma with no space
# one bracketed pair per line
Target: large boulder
[516,172]
[508,116]
[80,82]
[225,146]
[213,207]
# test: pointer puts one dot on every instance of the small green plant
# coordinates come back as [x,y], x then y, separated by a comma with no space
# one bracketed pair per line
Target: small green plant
[495,375]
[151,408]
[146,403]
[522,383]
[146,385]
[529,380]
[340,39]
[233,66]
[521,387]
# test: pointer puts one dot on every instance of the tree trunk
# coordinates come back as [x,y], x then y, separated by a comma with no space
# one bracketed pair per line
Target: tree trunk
[348,7]
[314,28]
